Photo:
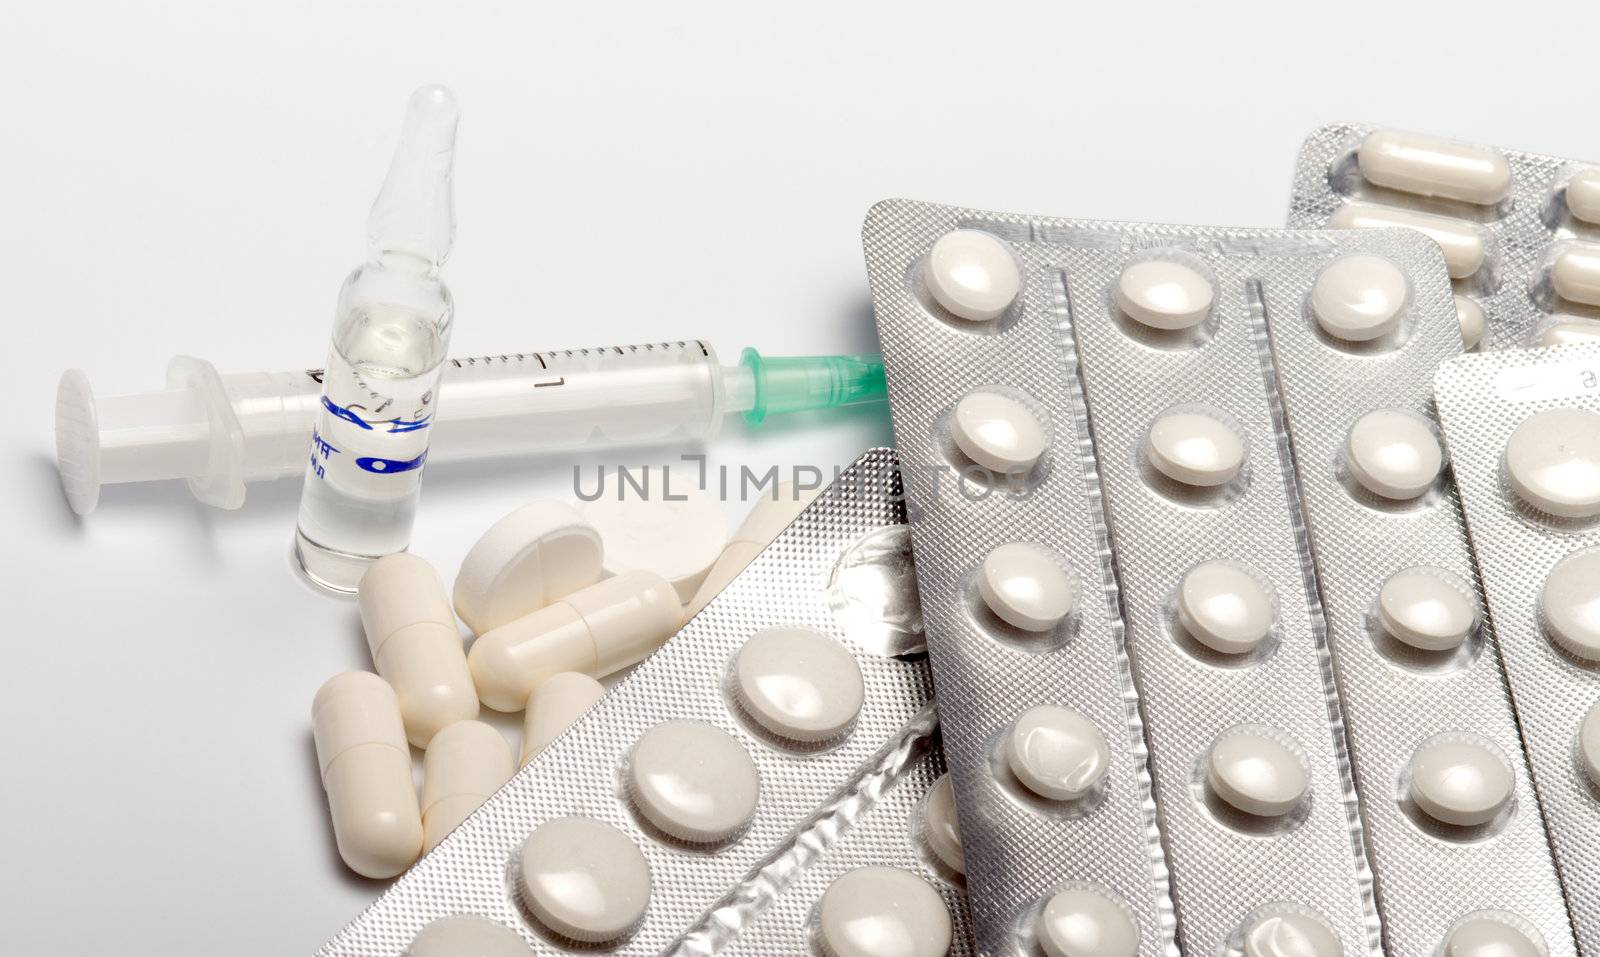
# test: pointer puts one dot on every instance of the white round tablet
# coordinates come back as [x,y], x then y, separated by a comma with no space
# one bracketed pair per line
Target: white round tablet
[1225,608]
[1553,462]
[1589,744]
[1164,295]
[1026,587]
[1393,455]
[883,912]
[1427,608]
[1256,770]
[1472,320]
[1570,604]
[939,825]
[1057,753]
[1291,934]
[654,520]
[1195,449]
[1359,298]
[531,558]
[1459,780]
[997,432]
[1487,937]
[1085,922]
[693,781]
[467,936]
[973,275]
[798,684]
[583,879]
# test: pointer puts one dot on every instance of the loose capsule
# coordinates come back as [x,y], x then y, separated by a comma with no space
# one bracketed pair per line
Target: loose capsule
[411,631]
[1432,166]
[366,769]
[465,763]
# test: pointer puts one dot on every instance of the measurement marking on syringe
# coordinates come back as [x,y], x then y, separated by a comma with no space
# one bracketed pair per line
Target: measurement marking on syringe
[544,385]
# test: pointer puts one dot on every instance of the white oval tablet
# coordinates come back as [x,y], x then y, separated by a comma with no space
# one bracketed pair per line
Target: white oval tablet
[940,827]
[1195,449]
[999,433]
[1359,298]
[693,781]
[1393,455]
[1570,604]
[531,558]
[1027,588]
[466,935]
[654,520]
[1434,166]
[1291,934]
[1583,195]
[1463,247]
[583,879]
[1487,937]
[1589,744]
[1084,922]
[1427,608]
[1164,295]
[1255,770]
[1472,320]
[798,683]
[1570,330]
[883,912]
[1575,274]
[973,275]
[1553,462]
[1225,608]
[1459,781]
[1057,753]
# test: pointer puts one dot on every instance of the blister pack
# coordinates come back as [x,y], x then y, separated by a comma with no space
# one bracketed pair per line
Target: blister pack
[1523,430]
[1043,367]
[1425,701]
[694,796]
[1520,231]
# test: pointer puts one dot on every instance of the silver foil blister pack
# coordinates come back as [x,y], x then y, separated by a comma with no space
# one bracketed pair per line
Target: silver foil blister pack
[1418,663]
[843,569]
[1523,430]
[1298,870]
[1526,263]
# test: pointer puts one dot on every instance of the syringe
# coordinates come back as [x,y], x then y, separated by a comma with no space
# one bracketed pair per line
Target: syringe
[219,432]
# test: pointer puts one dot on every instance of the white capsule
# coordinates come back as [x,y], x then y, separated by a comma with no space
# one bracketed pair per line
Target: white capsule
[554,705]
[1084,922]
[1393,455]
[536,555]
[798,684]
[1194,449]
[1459,781]
[1432,166]
[1257,771]
[1291,934]
[415,646]
[1570,329]
[997,432]
[1225,608]
[1487,937]
[1553,462]
[883,912]
[465,763]
[1427,608]
[973,275]
[1057,753]
[693,781]
[652,520]
[1359,298]
[1026,587]
[1583,195]
[1589,744]
[1164,295]
[1569,603]
[1461,243]
[765,521]
[583,879]
[1473,322]
[1575,274]
[603,628]
[366,769]
[940,827]
[466,935]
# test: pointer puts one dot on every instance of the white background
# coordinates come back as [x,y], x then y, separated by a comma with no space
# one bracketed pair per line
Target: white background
[193,178]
